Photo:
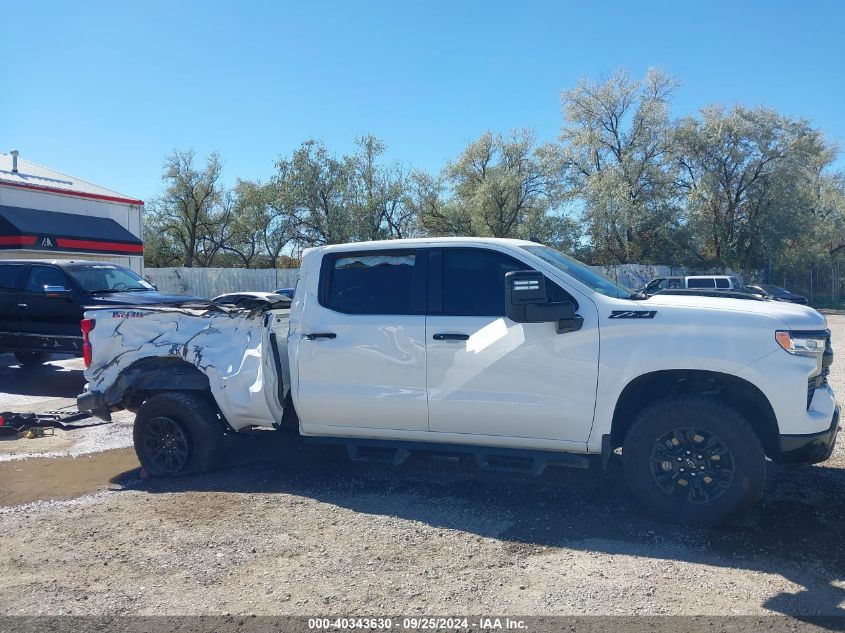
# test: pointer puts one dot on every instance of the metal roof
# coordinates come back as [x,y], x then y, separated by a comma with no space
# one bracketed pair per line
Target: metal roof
[33,176]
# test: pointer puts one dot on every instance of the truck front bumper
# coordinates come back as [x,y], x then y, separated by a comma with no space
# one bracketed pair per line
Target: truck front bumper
[812,448]
[95,403]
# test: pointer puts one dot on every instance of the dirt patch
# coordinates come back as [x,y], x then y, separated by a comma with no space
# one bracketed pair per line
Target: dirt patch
[25,481]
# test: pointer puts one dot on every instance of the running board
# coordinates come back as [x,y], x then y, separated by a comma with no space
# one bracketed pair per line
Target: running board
[377,454]
[489,458]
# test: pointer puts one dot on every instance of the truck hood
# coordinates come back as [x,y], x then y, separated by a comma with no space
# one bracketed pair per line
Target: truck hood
[794,316]
[136,298]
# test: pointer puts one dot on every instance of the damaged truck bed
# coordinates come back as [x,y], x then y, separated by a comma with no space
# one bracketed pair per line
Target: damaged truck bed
[215,349]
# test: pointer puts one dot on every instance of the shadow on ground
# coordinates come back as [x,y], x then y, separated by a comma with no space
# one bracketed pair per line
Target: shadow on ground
[50,380]
[797,532]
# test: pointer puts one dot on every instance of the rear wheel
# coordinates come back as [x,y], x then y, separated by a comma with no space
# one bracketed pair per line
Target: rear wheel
[692,460]
[177,433]
[32,359]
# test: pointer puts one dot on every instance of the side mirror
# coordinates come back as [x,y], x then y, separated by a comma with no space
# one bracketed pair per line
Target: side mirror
[523,288]
[526,302]
[56,292]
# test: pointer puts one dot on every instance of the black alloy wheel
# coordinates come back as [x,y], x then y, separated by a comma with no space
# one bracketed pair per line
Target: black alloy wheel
[692,465]
[166,445]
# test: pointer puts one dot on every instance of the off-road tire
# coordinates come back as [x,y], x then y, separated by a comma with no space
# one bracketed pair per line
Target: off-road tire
[32,359]
[643,453]
[197,422]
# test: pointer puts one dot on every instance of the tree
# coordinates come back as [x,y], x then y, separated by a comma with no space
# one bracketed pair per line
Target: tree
[426,199]
[829,211]
[313,185]
[249,212]
[812,256]
[615,145]
[747,177]
[277,219]
[160,251]
[502,186]
[188,212]
[376,194]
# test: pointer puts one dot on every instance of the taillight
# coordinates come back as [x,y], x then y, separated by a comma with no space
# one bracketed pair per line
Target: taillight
[87,325]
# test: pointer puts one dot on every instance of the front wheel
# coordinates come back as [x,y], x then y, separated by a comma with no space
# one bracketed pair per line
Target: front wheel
[693,460]
[177,433]
[32,359]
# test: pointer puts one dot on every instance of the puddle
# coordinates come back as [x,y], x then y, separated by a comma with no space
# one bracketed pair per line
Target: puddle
[42,479]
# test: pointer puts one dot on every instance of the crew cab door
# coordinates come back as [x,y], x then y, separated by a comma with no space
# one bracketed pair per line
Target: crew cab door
[489,376]
[360,346]
[50,310]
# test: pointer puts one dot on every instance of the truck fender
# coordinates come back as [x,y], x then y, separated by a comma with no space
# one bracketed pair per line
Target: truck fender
[157,374]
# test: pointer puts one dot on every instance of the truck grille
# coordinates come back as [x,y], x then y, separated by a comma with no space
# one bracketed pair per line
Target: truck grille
[817,381]
[814,383]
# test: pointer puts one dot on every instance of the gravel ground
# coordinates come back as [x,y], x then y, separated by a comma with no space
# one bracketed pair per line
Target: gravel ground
[289,530]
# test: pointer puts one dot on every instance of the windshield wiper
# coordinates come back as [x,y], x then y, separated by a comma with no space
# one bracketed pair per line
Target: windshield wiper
[639,295]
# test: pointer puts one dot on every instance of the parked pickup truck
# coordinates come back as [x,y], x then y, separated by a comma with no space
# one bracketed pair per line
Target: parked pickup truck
[505,349]
[42,301]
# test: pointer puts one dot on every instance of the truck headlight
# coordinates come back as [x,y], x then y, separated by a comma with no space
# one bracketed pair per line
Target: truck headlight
[795,343]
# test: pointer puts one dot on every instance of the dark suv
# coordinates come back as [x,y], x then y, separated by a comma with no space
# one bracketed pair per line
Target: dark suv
[42,301]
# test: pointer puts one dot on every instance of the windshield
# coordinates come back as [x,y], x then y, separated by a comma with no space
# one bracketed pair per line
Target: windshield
[775,290]
[97,278]
[579,271]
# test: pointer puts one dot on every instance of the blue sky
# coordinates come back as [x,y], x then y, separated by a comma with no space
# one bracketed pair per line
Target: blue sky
[104,90]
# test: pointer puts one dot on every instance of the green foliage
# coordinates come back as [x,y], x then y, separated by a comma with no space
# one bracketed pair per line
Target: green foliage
[504,186]
[616,147]
[747,177]
[189,213]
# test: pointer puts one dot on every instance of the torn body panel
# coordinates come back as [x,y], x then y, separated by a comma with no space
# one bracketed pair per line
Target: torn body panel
[231,348]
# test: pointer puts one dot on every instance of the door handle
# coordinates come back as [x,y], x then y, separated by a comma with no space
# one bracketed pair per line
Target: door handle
[21,305]
[318,335]
[451,337]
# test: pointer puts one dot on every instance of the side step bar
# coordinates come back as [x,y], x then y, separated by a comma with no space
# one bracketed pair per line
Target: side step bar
[490,458]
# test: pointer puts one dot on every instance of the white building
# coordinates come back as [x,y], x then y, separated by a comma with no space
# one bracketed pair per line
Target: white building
[46,214]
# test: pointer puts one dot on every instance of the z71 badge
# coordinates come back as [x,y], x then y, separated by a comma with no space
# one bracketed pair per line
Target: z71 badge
[633,314]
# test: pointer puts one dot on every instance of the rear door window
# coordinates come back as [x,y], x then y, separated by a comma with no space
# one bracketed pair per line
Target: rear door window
[374,282]
[723,283]
[701,282]
[9,276]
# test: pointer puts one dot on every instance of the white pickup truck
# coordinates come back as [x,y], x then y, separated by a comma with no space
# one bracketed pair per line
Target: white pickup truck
[504,349]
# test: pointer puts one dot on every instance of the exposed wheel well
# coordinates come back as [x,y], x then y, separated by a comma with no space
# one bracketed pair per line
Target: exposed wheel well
[740,394]
[151,375]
